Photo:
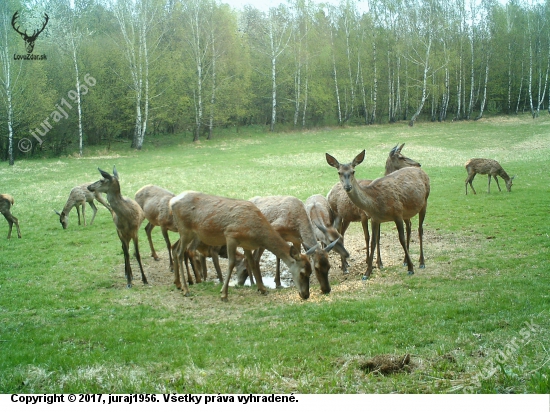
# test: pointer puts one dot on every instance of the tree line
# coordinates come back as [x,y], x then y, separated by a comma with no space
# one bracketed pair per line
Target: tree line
[106,70]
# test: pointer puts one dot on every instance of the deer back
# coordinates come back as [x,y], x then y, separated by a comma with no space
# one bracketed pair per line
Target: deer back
[155,203]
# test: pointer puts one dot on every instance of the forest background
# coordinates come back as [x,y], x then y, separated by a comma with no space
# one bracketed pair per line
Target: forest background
[109,70]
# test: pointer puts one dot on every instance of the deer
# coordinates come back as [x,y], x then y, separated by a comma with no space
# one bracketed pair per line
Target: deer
[346,212]
[288,216]
[395,197]
[219,221]
[214,252]
[488,167]
[77,198]
[322,217]
[155,203]
[29,40]
[6,202]
[127,217]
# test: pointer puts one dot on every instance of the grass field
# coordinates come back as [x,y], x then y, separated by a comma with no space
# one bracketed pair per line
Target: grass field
[475,320]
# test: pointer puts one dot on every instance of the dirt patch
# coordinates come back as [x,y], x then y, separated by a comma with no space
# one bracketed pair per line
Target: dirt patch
[387,364]
[440,251]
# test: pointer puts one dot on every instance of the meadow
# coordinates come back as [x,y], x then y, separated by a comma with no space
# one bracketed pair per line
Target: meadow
[476,320]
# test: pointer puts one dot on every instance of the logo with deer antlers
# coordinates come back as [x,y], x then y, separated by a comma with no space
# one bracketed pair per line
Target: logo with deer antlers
[29,40]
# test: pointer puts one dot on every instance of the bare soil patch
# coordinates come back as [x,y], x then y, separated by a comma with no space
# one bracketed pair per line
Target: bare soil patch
[440,250]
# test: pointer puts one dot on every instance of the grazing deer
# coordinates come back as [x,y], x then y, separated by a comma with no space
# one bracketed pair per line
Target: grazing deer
[78,197]
[6,202]
[29,40]
[288,216]
[486,167]
[127,217]
[155,203]
[322,217]
[396,197]
[217,221]
[346,212]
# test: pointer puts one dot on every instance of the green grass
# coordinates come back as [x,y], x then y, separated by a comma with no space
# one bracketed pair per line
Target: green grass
[68,324]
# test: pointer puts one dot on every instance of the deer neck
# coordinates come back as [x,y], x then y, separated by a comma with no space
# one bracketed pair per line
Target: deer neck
[115,198]
[360,196]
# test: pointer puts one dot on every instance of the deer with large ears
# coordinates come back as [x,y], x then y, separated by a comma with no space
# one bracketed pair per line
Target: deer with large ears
[128,217]
[346,212]
[396,197]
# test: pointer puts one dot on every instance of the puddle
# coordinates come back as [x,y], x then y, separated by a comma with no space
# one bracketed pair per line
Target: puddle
[268,265]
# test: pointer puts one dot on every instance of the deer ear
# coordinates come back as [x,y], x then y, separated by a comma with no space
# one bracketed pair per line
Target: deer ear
[115,173]
[358,159]
[57,213]
[332,161]
[104,174]
[400,147]
[392,151]
[331,246]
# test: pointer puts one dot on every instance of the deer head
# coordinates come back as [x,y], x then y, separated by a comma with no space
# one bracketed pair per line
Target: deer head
[29,40]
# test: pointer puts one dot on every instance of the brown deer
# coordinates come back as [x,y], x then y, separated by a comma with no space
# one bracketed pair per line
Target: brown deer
[155,203]
[77,198]
[217,221]
[127,217]
[29,40]
[346,212]
[396,197]
[288,216]
[214,252]
[486,167]
[6,202]
[322,217]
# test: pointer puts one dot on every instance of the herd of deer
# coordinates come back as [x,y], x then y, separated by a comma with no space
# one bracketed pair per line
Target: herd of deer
[213,226]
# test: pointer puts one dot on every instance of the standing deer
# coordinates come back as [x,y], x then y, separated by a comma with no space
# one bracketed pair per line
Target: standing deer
[346,212]
[155,203]
[486,167]
[396,197]
[77,198]
[288,216]
[128,217]
[29,40]
[217,221]
[6,202]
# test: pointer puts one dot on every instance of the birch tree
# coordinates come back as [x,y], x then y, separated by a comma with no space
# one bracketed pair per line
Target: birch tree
[136,21]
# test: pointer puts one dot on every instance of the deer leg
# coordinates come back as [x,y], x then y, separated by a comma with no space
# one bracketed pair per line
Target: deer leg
[489,185]
[178,250]
[257,256]
[216,261]
[127,267]
[421,216]
[366,235]
[408,227]
[167,240]
[231,249]
[496,180]
[94,209]
[148,229]
[379,263]
[403,241]
[375,227]
[138,257]
[84,212]
[469,180]
[342,230]
[255,265]
[9,219]
[278,274]
[78,213]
